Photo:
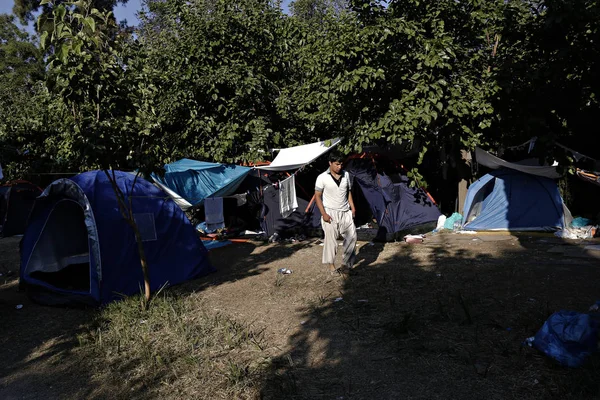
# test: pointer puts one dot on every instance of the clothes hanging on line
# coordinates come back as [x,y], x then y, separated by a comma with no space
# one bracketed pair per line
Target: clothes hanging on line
[213,213]
[288,203]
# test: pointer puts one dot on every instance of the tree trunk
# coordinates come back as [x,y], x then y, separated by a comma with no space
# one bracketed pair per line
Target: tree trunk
[143,261]
[127,214]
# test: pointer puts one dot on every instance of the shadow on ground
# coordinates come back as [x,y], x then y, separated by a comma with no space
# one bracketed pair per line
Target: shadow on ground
[441,320]
[39,344]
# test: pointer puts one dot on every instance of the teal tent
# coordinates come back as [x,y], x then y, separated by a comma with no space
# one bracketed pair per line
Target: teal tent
[194,180]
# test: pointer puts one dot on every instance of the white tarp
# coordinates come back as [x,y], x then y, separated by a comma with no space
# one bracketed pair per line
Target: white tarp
[180,201]
[298,156]
[493,162]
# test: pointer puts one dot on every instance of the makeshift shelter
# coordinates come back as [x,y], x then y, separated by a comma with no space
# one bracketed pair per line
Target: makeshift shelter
[507,199]
[78,248]
[16,201]
[302,220]
[189,182]
[250,200]
[298,156]
[255,206]
[381,191]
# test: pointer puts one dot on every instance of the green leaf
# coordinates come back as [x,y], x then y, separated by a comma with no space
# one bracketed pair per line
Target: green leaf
[90,23]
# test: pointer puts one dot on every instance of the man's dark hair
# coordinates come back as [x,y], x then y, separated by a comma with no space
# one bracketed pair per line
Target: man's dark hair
[336,156]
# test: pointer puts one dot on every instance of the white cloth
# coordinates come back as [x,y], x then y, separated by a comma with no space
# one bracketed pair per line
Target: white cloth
[213,213]
[334,197]
[342,224]
[180,201]
[288,203]
[493,162]
[298,156]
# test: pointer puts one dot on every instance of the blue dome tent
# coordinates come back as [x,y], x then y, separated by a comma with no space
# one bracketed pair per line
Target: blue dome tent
[507,199]
[78,249]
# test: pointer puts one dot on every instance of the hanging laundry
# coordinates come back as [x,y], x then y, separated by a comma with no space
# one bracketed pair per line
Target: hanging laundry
[287,196]
[1,174]
[213,213]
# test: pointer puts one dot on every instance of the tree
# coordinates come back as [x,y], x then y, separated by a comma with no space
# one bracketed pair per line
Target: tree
[24,102]
[414,71]
[25,9]
[547,65]
[101,81]
[314,11]
[221,68]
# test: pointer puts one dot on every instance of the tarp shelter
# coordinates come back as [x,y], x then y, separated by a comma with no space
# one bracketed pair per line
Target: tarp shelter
[507,199]
[78,248]
[530,166]
[189,182]
[298,156]
[16,202]
[381,187]
[256,206]
[300,221]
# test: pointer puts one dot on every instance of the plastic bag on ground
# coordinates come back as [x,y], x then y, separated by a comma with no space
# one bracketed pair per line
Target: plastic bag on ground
[568,337]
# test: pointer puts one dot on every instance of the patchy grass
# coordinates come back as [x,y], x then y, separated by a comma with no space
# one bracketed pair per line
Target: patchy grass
[175,349]
[444,319]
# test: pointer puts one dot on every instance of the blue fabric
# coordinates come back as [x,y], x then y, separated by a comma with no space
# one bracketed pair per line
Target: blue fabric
[513,200]
[449,224]
[177,254]
[215,244]
[580,222]
[568,337]
[197,180]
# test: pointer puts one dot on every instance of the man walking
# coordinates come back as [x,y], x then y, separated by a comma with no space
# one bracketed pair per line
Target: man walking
[334,199]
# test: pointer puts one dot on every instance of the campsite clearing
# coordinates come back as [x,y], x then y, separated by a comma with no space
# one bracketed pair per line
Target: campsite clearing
[437,320]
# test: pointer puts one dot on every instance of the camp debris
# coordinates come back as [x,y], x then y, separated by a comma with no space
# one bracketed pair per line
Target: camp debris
[568,337]
[78,249]
[414,238]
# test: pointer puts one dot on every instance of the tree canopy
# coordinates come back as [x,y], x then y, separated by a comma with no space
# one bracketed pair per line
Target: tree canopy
[225,81]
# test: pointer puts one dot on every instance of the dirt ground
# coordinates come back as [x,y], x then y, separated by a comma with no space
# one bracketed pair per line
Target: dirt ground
[444,319]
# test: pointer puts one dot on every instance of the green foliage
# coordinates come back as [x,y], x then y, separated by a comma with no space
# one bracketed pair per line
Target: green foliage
[226,81]
[315,11]
[221,68]
[404,76]
[102,83]
[548,73]
[25,9]
[25,105]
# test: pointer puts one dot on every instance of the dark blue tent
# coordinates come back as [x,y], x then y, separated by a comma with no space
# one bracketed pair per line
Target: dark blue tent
[506,199]
[383,189]
[78,249]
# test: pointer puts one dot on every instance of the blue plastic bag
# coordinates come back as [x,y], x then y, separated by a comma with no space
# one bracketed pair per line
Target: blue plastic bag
[455,217]
[568,337]
[580,222]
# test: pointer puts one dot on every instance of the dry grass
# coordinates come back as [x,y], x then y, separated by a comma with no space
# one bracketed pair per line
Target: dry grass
[175,349]
[440,320]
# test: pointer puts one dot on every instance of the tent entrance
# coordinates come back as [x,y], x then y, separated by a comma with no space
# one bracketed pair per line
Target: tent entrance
[61,254]
[479,200]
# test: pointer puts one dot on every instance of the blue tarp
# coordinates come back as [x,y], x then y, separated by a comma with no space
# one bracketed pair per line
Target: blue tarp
[77,230]
[507,199]
[568,337]
[196,180]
